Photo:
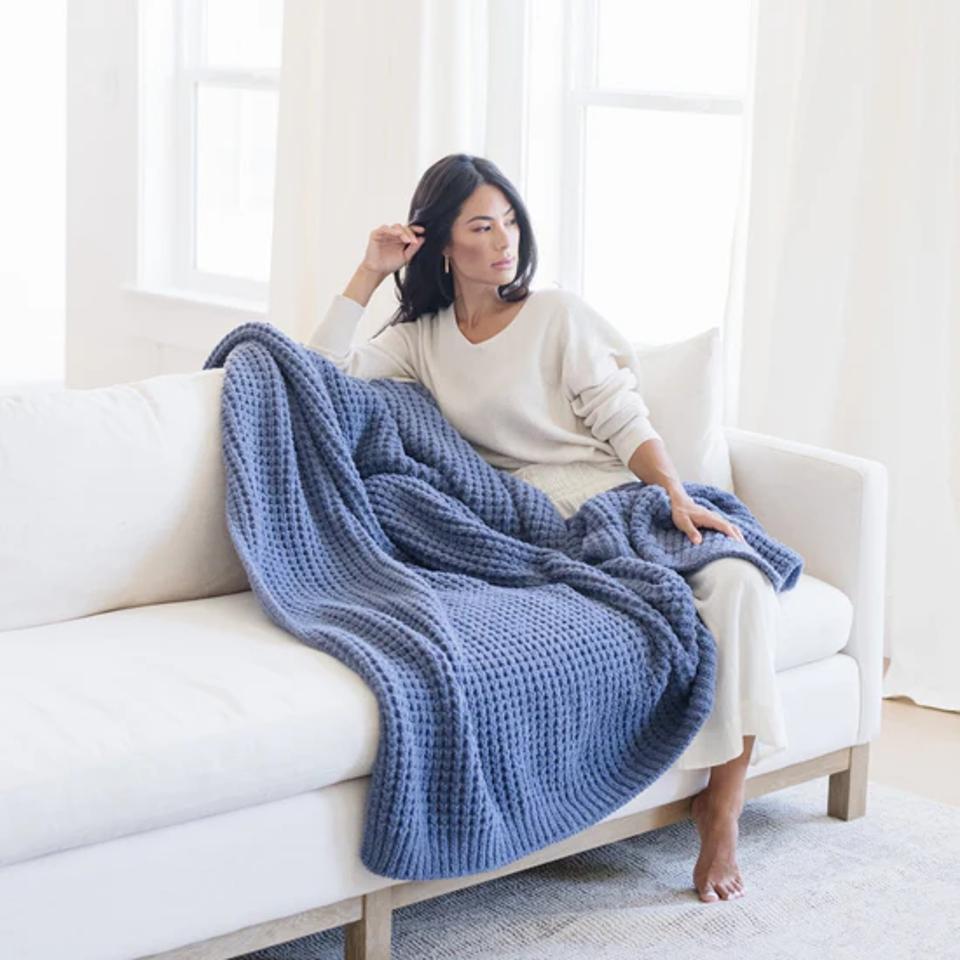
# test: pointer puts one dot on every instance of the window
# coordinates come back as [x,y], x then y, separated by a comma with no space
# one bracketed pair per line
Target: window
[650,130]
[209,129]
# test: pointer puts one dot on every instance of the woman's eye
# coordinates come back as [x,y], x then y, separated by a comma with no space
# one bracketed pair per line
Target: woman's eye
[512,223]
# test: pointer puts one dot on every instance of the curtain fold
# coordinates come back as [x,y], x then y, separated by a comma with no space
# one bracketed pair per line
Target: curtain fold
[844,304]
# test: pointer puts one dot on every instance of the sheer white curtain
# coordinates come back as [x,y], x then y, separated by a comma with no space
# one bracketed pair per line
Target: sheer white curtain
[372,92]
[843,317]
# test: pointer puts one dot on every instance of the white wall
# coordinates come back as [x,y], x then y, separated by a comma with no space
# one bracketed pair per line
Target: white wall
[116,333]
[32,184]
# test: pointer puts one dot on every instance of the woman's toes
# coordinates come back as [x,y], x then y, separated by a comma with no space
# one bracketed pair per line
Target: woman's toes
[708,894]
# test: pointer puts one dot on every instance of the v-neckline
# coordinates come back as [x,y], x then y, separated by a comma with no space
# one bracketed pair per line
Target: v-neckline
[480,343]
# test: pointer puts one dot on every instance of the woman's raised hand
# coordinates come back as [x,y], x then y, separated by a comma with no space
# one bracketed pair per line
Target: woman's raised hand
[391,247]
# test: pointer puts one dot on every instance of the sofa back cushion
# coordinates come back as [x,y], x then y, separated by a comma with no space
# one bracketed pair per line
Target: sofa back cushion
[113,497]
[682,384]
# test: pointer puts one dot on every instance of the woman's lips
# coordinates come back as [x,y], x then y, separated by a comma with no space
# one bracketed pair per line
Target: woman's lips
[504,263]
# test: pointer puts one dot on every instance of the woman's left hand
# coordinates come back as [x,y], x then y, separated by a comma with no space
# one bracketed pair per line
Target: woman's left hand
[688,515]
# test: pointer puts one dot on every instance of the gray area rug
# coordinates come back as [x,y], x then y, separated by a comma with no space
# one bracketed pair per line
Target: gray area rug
[884,886]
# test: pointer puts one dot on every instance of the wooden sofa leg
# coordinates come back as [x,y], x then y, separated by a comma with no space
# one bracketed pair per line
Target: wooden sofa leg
[369,937]
[847,794]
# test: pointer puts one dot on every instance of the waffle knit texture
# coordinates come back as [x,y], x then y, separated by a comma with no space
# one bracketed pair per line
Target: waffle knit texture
[533,673]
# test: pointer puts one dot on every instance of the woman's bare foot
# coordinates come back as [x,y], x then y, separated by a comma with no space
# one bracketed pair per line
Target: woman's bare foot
[716,874]
[716,811]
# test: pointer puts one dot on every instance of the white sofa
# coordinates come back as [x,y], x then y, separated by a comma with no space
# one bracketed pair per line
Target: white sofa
[181,778]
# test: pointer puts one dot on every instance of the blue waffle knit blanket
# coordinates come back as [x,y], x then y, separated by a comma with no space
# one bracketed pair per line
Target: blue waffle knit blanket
[533,673]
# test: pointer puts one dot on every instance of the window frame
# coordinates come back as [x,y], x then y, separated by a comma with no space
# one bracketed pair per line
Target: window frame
[190,72]
[581,91]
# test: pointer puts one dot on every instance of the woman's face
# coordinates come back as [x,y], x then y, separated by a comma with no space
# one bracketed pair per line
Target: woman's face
[485,232]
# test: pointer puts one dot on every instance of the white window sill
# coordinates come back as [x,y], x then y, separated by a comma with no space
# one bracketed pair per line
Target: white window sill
[30,388]
[194,298]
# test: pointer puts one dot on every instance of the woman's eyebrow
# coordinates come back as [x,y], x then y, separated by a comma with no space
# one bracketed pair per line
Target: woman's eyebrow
[481,216]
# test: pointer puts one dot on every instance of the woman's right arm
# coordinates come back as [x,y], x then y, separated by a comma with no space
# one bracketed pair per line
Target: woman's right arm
[389,353]
[386,355]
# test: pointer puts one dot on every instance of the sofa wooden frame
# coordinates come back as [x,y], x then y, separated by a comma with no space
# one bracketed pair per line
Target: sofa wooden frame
[368,918]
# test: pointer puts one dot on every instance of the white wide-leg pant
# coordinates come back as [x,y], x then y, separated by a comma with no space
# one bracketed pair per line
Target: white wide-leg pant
[740,608]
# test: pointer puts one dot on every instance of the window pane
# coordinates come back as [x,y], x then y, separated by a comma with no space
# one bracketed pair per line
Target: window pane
[660,202]
[685,46]
[236,147]
[244,33]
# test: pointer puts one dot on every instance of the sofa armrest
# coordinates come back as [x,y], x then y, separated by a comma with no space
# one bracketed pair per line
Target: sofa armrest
[831,508]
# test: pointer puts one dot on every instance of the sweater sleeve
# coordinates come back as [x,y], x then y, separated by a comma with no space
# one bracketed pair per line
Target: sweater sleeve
[601,381]
[388,354]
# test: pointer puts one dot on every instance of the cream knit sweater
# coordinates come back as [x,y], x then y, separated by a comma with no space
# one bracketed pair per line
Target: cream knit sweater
[553,397]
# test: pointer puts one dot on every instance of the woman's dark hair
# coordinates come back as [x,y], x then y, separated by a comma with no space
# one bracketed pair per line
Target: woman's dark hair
[424,287]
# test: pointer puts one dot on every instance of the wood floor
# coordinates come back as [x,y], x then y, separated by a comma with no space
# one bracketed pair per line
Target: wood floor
[918,750]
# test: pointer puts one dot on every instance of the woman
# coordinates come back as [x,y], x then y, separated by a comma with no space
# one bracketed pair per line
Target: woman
[531,379]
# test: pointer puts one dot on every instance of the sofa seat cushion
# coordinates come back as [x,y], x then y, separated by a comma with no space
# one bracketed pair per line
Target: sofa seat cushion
[815,623]
[143,717]
[139,718]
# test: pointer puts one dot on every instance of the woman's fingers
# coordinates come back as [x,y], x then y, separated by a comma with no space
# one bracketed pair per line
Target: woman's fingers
[410,232]
[388,234]
[731,531]
[395,232]
[706,518]
[416,231]
[399,232]
[402,233]
[692,532]
[724,526]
